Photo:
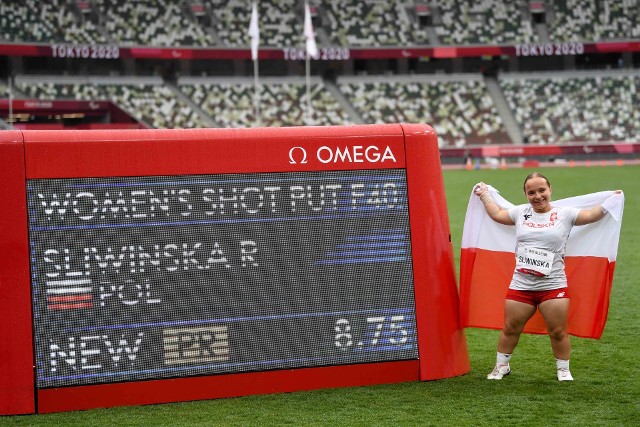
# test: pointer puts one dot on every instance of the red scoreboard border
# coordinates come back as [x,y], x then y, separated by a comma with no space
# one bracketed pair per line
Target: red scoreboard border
[26,155]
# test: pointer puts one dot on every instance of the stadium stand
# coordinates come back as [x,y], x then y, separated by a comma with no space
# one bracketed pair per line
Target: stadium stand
[46,22]
[460,107]
[592,107]
[370,23]
[280,26]
[151,22]
[591,20]
[230,103]
[466,107]
[353,23]
[145,98]
[483,22]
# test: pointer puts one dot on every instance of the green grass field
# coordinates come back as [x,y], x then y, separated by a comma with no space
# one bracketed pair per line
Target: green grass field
[606,390]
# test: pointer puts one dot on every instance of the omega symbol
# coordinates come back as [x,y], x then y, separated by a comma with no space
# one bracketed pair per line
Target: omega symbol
[303,153]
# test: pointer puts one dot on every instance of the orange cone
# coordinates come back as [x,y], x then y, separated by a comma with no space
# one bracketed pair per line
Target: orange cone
[619,162]
[469,164]
[572,163]
[503,163]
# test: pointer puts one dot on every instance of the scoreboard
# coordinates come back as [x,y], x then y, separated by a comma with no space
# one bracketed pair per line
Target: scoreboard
[156,277]
[153,266]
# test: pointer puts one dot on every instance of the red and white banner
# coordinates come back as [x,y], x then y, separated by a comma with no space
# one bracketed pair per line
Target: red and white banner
[487,263]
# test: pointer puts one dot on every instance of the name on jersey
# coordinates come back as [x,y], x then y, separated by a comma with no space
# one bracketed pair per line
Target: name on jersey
[533,262]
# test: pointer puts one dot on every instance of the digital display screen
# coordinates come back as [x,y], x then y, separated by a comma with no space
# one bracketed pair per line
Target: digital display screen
[156,277]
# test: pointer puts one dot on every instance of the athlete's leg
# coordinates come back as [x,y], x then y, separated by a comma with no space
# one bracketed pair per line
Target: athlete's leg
[556,314]
[516,315]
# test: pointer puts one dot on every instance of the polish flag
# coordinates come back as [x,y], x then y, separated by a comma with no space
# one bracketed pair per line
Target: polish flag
[487,263]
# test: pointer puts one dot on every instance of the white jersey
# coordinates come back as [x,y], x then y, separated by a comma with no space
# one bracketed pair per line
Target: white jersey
[541,239]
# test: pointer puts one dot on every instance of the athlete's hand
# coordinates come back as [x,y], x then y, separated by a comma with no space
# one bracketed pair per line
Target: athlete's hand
[480,188]
[611,201]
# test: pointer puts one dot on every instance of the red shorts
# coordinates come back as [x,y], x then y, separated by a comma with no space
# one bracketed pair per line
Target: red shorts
[536,297]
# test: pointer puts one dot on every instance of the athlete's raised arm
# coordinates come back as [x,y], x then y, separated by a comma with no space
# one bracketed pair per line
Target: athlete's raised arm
[494,211]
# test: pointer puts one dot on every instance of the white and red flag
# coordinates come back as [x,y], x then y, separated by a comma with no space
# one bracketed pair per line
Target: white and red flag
[254,31]
[309,34]
[487,263]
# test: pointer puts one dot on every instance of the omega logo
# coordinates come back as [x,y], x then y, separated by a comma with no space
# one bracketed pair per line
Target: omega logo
[353,154]
[302,152]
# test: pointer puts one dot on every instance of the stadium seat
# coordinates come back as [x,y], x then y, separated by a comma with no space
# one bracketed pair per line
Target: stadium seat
[148,100]
[370,23]
[565,109]
[591,20]
[461,111]
[45,22]
[151,22]
[483,22]
[279,24]
[282,102]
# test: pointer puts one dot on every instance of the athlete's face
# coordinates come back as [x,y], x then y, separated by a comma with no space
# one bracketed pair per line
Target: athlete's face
[539,194]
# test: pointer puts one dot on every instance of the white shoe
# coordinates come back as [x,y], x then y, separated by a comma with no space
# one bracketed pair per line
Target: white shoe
[564,375]
[500,371]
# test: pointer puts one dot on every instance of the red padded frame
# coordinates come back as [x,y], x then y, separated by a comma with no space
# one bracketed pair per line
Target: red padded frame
[102,153]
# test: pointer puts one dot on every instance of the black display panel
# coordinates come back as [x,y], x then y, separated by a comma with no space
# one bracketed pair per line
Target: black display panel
[171,276]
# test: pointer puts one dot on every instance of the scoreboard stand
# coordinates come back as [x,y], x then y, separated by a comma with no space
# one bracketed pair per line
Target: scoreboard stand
[152,266]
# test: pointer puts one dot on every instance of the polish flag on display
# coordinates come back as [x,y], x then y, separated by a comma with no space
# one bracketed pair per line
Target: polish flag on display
[487,263]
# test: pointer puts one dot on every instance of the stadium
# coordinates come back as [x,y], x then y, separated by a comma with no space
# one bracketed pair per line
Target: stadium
[506,85]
